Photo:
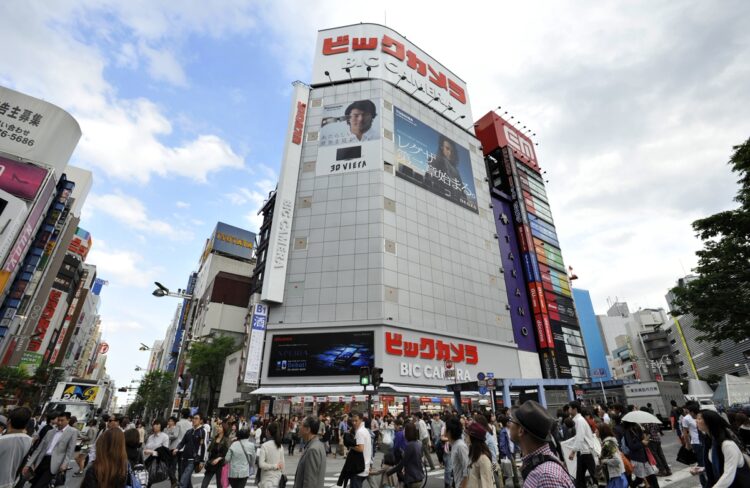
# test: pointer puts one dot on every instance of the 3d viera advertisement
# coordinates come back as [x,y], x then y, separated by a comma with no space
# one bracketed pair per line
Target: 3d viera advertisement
[350,137]
[320,354]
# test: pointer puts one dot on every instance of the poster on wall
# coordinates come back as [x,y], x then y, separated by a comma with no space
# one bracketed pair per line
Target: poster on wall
[433,161]
[349,138]
[324,354]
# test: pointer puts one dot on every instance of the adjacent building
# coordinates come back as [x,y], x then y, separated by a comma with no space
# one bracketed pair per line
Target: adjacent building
[48,306]
[704,360]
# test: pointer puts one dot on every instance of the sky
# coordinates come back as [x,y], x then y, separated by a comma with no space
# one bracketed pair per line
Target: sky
[184,105]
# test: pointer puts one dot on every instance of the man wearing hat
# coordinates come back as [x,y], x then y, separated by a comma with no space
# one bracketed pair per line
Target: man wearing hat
[529,427]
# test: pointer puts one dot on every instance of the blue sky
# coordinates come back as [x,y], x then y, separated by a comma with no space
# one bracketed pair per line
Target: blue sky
[183,106]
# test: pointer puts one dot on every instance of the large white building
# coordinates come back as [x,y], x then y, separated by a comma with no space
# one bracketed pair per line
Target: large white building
[379,248]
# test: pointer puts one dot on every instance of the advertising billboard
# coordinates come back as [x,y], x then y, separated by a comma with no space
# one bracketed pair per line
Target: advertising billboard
[280,237]
[81,243]
[433,161]
[21,179]
[12,213]
[27,232]
[73,391]
[371,51]
[322,354]
[232,240]
[36,130]
[349,138]
[30,362]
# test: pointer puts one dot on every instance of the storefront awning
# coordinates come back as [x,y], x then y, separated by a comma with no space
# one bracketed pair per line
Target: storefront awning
[385,388]
[307,390]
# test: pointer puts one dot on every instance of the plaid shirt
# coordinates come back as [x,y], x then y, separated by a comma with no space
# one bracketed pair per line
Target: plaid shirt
[546,475]
[653,430]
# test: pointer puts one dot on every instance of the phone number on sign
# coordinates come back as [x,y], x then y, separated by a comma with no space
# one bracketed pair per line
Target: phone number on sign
[20,138]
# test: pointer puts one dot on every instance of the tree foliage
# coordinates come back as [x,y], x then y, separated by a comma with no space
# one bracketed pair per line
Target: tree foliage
[155,392]
[207,362]
[720,296]
[11,379]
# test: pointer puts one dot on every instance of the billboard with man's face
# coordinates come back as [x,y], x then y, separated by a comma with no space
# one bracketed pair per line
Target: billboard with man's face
[349,138]
[433,161]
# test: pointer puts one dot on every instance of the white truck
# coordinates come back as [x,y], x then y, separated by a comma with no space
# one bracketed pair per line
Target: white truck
[84,399]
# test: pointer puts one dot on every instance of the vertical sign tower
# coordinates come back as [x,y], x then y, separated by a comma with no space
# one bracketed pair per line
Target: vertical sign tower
[514,173]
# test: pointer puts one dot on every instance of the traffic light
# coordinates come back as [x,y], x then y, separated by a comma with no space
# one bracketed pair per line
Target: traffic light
[364,376]
[377,376]
[122,390]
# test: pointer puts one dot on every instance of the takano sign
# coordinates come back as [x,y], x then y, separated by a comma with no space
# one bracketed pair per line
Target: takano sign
[373,51]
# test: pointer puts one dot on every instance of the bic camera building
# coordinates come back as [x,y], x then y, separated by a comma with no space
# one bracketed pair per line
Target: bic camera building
[385,244]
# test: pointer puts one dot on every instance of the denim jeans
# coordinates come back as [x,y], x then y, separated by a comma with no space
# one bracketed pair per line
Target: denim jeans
[356,481]
[698,450]
[186,474]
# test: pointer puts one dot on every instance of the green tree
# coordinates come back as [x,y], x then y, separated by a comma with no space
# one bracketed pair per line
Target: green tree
[207,363]
[11,380]
[720,297]
[155,392]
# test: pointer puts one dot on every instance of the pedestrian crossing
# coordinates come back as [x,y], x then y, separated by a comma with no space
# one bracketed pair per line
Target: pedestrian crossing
[329,480]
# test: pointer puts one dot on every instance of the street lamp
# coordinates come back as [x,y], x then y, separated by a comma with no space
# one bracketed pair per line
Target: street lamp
[138,368]
[747,367]
[163,291]
[144,347]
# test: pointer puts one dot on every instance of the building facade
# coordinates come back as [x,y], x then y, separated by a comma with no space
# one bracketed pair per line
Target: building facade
[705,360]
[379,247]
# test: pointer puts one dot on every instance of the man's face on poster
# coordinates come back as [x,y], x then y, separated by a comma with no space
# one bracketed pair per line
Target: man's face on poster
[359,121]
[446,149]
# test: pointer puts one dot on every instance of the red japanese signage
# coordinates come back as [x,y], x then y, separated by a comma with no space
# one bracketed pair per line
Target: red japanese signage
[494,131]
[44,321]
[299,123]
[398,51]
[428,348]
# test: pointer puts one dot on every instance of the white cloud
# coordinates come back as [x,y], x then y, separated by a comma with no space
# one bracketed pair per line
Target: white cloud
[254,198]
[132,212]
[122,268]
[181,204]
[121,136]
[114,325]
[163,65]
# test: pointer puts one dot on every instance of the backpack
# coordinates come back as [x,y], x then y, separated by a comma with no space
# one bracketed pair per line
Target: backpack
[539,459]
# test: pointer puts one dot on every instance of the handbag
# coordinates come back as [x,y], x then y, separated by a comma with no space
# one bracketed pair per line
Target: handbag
[282,481]
[650,457]
[686,456]
[626,463]
[197,467]
[141,473]
[59,479]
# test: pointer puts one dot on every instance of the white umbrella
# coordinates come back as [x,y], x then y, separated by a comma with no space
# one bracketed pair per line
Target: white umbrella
[641,417]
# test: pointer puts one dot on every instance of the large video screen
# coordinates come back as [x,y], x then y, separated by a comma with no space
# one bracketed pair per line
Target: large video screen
[433,161]
[323,354]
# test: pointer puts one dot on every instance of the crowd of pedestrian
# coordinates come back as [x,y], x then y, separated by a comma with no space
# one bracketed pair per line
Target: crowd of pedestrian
[593,445]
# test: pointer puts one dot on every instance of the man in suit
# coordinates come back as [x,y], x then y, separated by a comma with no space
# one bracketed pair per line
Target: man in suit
[311,468]
[54,452]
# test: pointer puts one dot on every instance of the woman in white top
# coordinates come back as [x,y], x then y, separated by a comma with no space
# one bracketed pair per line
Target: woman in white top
[725,465]
[271,458]
[156,440]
